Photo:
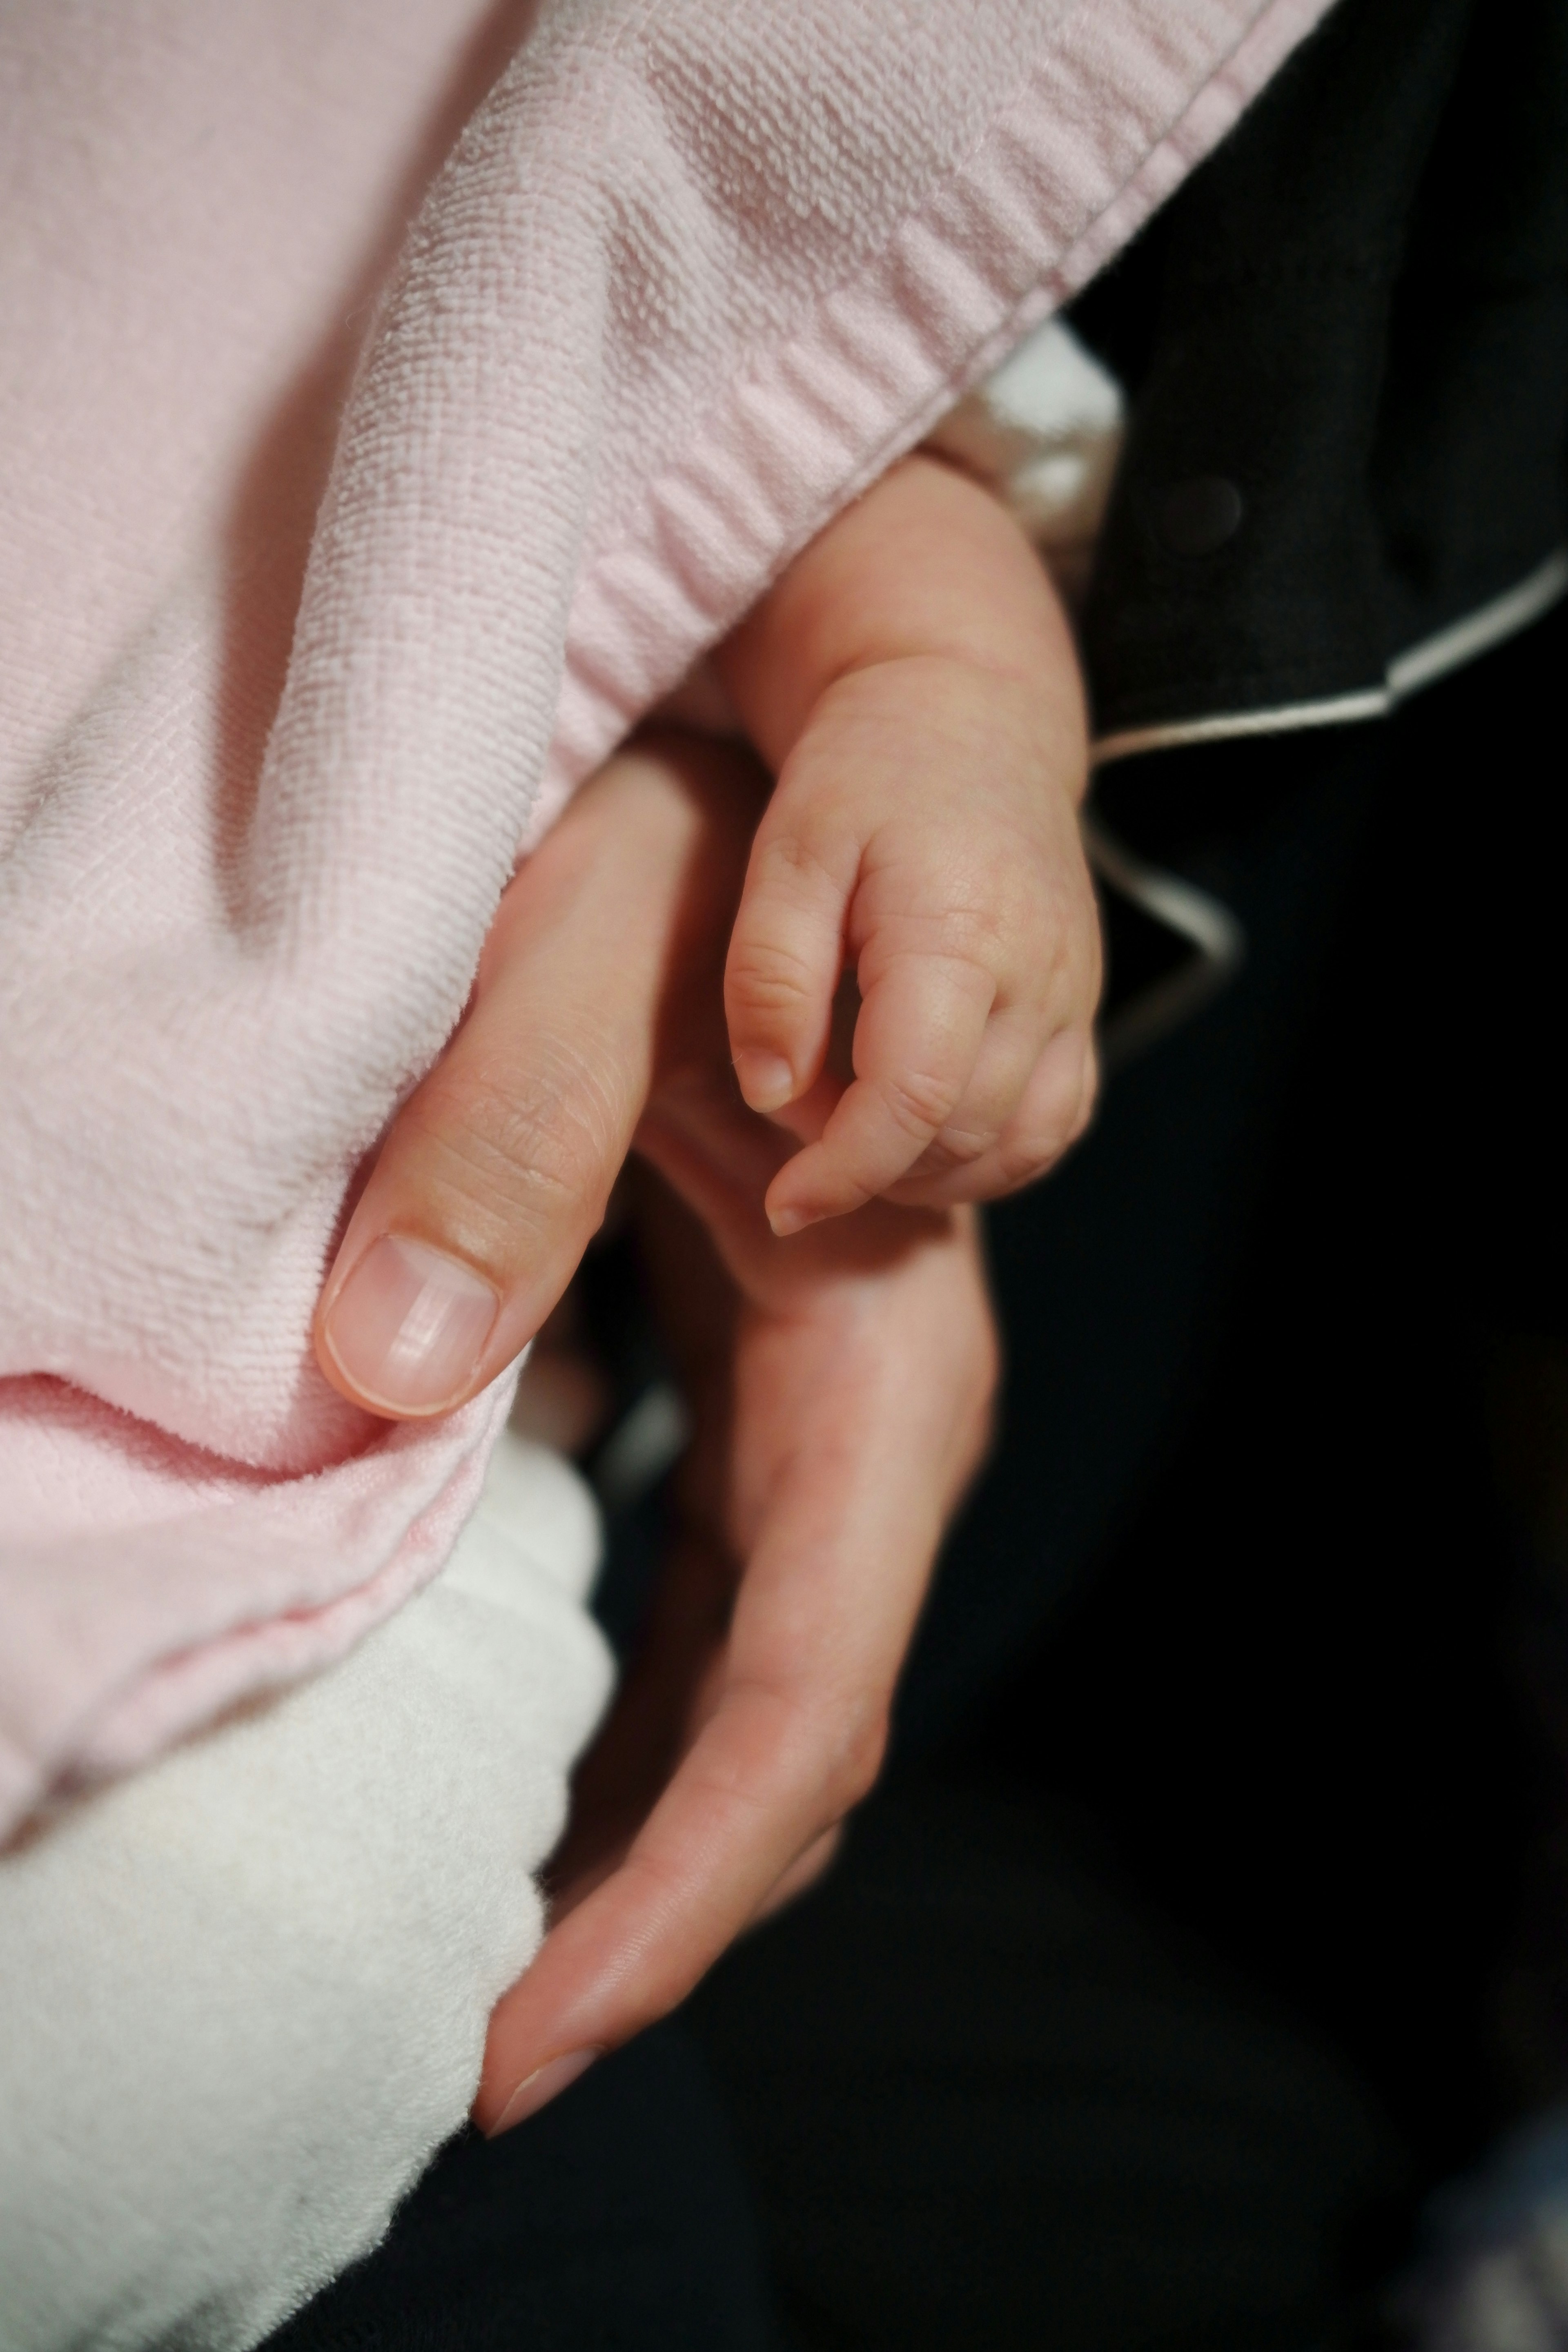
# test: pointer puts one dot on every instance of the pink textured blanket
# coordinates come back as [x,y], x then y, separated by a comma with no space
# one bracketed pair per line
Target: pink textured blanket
[397,396]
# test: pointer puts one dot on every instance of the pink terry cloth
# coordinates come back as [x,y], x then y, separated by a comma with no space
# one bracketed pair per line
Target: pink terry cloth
[399,395]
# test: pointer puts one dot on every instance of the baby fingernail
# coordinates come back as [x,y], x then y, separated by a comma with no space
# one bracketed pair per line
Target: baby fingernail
[410,1325]
[766,1080]
[786,1222]
[537,2090]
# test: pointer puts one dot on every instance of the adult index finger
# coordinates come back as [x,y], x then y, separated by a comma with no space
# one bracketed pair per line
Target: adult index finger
[857,1420]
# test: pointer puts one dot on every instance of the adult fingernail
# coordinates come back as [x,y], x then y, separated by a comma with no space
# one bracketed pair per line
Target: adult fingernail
[537,2090]
[766,1081]
[410,1325]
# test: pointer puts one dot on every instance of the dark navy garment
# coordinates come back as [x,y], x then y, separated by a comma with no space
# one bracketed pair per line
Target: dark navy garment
[1346,344]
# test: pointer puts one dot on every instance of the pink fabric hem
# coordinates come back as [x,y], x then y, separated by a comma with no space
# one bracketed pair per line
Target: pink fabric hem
[123,1639]
[1008,240]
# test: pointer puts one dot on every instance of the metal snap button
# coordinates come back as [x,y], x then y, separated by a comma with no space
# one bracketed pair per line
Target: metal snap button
[1196,517]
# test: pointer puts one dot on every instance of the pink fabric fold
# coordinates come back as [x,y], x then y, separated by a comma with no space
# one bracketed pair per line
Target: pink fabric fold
[354,502]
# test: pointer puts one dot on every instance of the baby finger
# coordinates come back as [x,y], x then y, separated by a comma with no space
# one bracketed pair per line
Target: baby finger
[919,1036]
[1056,1106]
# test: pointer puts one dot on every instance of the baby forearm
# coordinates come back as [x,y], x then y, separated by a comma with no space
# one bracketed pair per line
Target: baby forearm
[927,566]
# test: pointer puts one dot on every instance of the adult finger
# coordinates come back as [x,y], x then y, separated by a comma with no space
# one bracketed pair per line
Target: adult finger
[496,1172]
[856,1422]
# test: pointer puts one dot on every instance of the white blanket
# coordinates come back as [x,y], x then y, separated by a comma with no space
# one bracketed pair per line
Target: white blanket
[246,1991]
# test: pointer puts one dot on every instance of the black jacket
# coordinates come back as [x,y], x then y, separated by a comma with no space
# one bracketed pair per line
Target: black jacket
[1345,343]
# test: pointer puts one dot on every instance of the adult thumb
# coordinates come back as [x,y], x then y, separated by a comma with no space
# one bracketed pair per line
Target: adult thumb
[495,1171]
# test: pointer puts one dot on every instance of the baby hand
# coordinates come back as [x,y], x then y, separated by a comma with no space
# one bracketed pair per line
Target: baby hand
[913,682]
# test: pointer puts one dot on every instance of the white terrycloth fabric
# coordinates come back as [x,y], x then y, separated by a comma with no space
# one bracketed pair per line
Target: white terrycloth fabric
[690,277]
[246,1990]
[1045,432]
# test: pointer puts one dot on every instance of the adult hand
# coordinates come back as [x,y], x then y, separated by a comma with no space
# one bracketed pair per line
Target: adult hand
[841,1383]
